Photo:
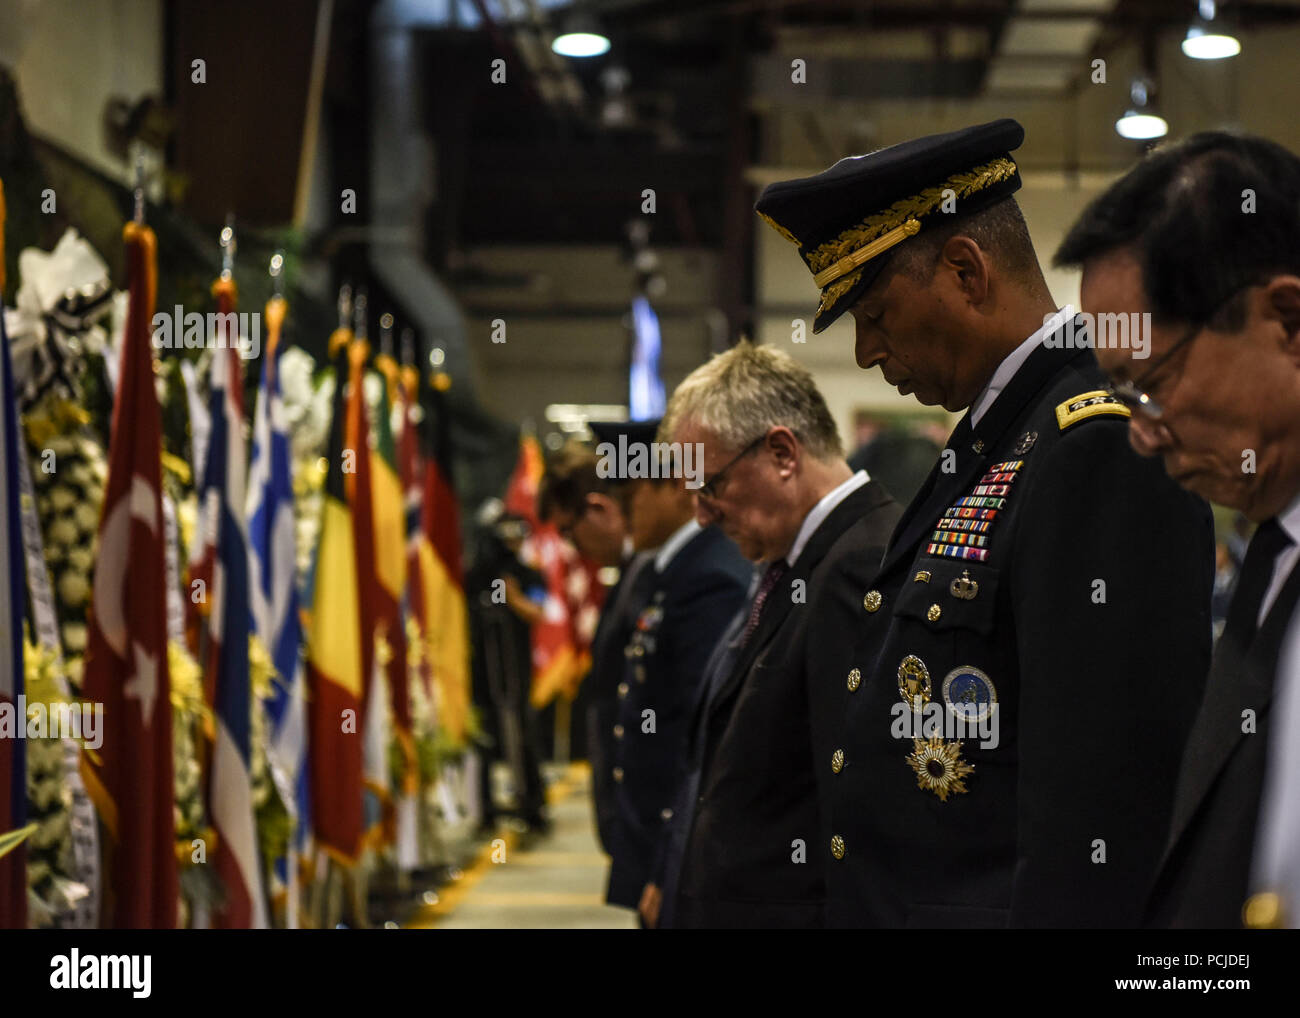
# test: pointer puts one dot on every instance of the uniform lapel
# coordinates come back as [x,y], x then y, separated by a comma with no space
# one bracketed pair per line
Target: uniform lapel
[973,447]
[1238,679]
[781,601]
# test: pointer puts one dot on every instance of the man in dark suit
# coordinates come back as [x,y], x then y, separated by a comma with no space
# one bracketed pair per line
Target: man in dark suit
[1204,238]
[739,850]
[588,511]
[698,582]
[1029,658]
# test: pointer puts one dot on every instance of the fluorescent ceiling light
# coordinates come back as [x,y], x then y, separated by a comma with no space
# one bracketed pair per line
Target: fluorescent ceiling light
[1141,126]
[1203,45]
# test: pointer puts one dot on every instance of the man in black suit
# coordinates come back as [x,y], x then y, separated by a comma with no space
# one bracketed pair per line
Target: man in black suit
[698,582]
[739,851]
[1029,658]
[1204,238]
[588,511]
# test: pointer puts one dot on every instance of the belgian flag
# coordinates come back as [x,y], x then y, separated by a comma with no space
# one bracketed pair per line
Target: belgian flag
[335,663]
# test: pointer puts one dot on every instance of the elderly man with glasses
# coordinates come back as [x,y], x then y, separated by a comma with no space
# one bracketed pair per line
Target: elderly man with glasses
[1204,237]
[740,851]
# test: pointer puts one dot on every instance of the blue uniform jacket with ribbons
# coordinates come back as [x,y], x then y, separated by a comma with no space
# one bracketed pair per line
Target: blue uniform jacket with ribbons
[1029,663]
[676,630]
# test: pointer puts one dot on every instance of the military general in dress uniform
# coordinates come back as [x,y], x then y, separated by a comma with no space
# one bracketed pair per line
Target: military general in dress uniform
[1030,658]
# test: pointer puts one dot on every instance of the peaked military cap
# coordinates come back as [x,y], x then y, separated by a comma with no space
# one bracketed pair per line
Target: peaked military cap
[635,431]
[846,220]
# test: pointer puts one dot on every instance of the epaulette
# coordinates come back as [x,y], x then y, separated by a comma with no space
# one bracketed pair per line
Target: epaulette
[1089,404]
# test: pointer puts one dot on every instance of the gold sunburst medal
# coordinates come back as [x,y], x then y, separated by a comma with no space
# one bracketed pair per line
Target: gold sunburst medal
[939,767]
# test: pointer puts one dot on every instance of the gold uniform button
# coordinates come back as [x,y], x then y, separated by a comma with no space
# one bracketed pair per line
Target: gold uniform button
[618,773]
[837,761]
[623,687]
[871,600]
[855,680]
[837,846]
[1262,912]
[618,731]
[934,613]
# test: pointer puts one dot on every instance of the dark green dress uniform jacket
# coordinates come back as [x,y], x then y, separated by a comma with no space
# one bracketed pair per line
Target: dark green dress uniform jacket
[1083,608]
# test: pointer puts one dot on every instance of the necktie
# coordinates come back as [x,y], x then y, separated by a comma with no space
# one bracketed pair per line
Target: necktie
[774,573]
[1256,571]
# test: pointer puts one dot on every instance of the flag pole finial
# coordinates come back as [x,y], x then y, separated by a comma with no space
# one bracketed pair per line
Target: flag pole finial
[386,334]
[345,305]
[359,315]
[440,379]
[138,214]
[277,274]
[228,246]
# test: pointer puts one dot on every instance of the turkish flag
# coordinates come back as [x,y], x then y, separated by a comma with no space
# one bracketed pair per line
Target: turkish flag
[130,775]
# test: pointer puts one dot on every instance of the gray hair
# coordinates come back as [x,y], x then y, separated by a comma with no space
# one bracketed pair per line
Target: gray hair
[740,394]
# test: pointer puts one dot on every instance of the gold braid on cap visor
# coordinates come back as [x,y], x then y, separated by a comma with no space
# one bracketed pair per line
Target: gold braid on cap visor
[837,264]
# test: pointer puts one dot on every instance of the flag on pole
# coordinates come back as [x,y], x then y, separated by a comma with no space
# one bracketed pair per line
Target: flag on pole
[334,647]
[13,772]
[273,591]
[361,497]
[130,777]
[230,785]
[446,620]
[562,640]
[419,549]
[390,539]
[391,557]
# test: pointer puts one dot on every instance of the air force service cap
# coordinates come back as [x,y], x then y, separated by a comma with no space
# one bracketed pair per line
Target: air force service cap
[845,220]
[631,432]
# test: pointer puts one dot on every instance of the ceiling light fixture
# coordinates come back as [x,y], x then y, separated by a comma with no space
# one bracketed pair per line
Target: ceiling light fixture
[1207,41]
[581,37]
[1140,122]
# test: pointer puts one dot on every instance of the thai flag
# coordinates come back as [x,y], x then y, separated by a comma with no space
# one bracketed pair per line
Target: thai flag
[230,794]
[273,593]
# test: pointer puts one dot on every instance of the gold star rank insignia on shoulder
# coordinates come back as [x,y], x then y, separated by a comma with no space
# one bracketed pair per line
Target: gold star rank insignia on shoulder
[939,767]
[1089,404]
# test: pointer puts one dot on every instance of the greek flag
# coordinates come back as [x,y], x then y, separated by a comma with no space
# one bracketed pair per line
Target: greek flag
[274,594]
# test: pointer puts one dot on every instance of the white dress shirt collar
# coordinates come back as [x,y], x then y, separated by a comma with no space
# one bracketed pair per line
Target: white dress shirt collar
[1289,520]
[818,513]
[1011,364]
[675,543]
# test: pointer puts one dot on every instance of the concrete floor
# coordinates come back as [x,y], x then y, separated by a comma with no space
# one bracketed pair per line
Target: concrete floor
[552,881]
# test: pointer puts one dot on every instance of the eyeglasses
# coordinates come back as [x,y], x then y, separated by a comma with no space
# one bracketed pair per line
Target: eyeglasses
[1133,393]
[708,489]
